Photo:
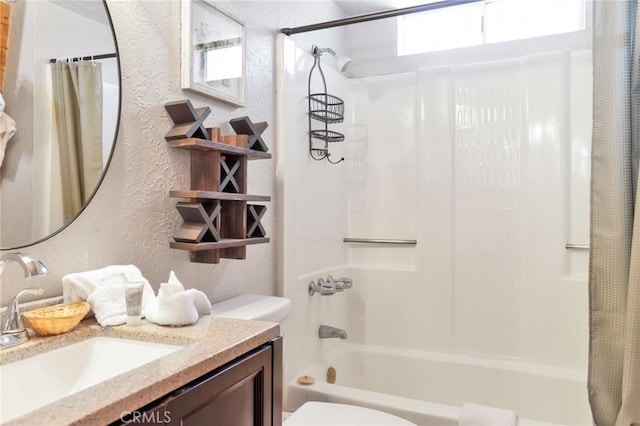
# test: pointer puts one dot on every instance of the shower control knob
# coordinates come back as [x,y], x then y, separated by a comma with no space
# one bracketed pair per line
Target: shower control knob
[341,284]
[323,287]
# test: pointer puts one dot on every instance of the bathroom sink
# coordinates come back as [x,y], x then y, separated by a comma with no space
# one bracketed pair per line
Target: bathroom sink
[29,384]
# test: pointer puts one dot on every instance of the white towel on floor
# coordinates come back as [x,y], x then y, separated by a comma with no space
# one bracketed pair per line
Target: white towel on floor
[104,290]
[481,415]
[176,307]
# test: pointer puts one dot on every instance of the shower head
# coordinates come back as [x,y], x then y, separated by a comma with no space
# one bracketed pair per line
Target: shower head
[342,61]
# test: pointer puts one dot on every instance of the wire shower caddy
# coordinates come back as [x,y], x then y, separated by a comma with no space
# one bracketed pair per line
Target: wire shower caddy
[326,109]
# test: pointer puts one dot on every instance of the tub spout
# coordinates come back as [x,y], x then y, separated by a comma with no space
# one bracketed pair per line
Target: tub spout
[328,332]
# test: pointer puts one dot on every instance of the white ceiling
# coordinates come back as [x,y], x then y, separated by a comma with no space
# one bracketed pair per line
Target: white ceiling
[361,7]
[92,9]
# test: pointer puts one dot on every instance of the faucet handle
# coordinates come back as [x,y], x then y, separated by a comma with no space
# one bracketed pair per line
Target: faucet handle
[341,283]
[325,288]
[12,320]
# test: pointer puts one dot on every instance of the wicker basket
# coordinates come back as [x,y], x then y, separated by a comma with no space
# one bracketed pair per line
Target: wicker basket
[56,319]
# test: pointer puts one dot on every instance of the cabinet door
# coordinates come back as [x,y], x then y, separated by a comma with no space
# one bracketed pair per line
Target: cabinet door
[238,394]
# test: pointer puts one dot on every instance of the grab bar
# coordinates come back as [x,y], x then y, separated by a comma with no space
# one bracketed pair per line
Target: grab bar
[379,241]
[577,247]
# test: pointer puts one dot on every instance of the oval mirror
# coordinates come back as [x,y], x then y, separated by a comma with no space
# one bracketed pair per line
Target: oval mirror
[60,84]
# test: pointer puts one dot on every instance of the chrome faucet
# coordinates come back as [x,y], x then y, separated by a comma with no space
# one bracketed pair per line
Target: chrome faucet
[12,330]
[328,332]
[323,287]
[341,284]
[330,286]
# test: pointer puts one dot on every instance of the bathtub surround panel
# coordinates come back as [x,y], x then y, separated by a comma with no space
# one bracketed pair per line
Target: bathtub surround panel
[580,171]
[553,303]
[381,174]
[313,208]
[491,172]
[317,186]
[489,102]
[433,285]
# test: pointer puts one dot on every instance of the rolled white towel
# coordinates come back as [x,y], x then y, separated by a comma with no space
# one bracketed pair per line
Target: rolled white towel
[171,308]
[200,301]
[482,415]
[104,290]
[172,286]
[176,307]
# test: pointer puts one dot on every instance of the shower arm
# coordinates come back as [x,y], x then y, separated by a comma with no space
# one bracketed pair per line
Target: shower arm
[318,51]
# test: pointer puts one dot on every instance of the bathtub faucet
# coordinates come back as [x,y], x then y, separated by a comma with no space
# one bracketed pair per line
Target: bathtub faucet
[328,332]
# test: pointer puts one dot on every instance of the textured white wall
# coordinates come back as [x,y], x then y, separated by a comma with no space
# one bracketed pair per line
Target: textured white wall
[132,219]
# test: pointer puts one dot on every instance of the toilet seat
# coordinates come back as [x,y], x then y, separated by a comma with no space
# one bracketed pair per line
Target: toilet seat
[314,413]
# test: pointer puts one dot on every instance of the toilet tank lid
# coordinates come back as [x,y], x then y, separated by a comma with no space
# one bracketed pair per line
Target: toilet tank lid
[253,307]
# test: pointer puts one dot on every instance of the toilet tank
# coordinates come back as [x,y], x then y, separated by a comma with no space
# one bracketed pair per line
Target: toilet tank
[254,307]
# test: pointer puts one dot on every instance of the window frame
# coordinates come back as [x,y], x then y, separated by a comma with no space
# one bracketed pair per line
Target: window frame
[571,38]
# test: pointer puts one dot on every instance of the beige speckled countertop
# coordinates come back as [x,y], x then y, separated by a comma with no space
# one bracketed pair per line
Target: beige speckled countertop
[209,344]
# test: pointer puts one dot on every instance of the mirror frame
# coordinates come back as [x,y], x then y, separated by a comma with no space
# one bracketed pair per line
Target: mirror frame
[113,145]
[187,52]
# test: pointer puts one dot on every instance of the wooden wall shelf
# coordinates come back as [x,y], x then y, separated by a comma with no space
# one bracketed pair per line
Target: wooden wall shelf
[213,195]
[218,221]
[205,145]
[224,243]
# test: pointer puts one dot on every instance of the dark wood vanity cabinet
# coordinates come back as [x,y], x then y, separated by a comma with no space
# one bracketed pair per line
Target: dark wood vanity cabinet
[244,392]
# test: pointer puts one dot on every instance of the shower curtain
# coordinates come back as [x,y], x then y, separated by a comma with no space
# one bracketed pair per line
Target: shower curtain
[614,269]
[77,97]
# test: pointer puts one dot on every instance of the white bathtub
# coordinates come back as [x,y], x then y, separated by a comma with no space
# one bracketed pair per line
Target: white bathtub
[429,388]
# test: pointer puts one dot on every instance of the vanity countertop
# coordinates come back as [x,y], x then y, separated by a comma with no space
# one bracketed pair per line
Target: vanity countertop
[209,344]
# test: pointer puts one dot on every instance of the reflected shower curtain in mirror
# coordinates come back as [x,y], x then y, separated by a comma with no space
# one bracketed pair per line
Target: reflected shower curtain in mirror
[77,98]
[614,269]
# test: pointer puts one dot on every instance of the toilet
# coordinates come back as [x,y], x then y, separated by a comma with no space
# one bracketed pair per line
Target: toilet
[253,307]
[276,309]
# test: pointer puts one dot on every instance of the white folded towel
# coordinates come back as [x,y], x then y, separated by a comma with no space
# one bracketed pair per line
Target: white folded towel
[481,415]
[104,290]
[175,306]
[106,303]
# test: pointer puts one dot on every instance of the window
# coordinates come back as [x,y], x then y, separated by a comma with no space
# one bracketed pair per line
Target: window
[489,21]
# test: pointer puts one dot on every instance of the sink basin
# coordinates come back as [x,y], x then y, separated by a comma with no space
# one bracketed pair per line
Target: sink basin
[29,384]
